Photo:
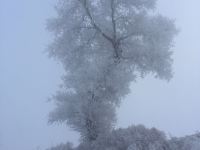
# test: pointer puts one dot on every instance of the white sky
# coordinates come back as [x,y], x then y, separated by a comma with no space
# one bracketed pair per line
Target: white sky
[28,77]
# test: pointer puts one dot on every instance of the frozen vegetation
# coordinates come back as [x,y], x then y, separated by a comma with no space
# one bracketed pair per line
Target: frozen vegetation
[104,45]
[191,142]
[136,138]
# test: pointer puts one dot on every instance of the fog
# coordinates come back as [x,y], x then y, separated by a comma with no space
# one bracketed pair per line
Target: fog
[28,78]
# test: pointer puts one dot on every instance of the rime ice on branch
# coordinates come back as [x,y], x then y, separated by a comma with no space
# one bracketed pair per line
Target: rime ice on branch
[103,45]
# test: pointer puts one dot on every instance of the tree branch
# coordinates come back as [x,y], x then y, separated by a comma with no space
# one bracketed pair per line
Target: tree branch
[113,40]
[113,19]
[127,36]
[85,5]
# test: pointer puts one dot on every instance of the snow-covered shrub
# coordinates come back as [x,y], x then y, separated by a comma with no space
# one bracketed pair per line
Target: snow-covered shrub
[67,146]
[132,138]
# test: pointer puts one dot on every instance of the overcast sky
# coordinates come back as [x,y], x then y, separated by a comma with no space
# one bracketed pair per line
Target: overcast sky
[28,77]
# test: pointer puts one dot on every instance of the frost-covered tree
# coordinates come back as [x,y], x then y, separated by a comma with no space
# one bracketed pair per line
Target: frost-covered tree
[191,142]
[103,46]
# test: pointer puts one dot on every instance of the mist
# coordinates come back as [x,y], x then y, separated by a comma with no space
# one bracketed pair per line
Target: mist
[29,77]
